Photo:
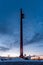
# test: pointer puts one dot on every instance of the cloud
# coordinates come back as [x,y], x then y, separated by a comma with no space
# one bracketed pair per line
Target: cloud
[3,26]
[41,45]
[36,38]
[8,44]
[9,40]
[2,48]
[11,43]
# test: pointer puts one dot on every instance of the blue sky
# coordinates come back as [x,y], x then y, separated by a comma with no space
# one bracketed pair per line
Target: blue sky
[10,27]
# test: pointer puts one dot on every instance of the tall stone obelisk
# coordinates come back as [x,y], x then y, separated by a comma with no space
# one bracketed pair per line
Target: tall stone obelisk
[21,33]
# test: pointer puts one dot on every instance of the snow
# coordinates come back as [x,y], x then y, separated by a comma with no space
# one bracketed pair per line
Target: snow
[12,60]
[15,60]
[19,60]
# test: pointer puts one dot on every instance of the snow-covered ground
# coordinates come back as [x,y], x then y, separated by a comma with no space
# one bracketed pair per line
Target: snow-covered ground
[19,60]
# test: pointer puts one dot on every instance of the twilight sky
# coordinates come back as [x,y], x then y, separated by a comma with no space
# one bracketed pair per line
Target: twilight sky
[10,27]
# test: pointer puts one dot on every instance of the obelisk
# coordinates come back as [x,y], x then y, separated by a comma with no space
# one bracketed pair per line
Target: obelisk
[21,33]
